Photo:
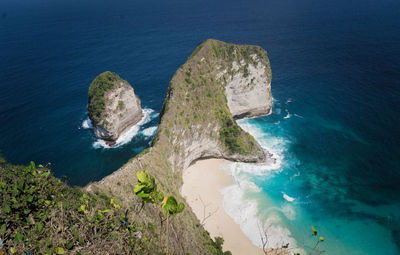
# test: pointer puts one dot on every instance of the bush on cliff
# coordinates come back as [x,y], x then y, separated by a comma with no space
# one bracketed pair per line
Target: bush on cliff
[42,215]
[96,102]
[232,137]
[39,214]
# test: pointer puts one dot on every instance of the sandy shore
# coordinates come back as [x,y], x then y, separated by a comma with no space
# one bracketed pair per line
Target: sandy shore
[201,184]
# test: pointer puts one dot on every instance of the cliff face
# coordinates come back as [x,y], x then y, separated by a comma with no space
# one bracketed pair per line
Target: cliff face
[219,82]
[249,92]
[113,106]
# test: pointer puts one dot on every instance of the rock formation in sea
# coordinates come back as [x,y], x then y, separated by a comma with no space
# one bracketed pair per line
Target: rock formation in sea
[113,106]
[219,83]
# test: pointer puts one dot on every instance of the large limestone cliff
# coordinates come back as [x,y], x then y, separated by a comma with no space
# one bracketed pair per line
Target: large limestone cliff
[249,92]
[113,106]
[219,82]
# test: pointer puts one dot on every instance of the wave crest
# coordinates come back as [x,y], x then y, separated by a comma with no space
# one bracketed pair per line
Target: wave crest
[127,136]
[243,198]
[87,123]
[149,131]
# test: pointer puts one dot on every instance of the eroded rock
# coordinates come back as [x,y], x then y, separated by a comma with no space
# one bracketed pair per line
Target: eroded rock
[113,106]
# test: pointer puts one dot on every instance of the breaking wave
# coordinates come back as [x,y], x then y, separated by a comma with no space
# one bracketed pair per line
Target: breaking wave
[87,123]
[149,131]
[243,198]
[126,137]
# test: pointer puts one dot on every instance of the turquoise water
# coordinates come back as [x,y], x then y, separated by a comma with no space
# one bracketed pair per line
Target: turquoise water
[312,184]
[336,77]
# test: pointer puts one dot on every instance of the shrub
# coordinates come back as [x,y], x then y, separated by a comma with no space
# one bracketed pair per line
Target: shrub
[232,137]
[39,214]
[96,101]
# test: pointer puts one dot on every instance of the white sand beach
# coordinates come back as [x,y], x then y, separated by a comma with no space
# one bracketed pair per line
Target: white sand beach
[201,184]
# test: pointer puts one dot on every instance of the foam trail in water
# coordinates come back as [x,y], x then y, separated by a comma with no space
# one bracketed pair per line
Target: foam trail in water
[148,115]
[288,115]
[149,131]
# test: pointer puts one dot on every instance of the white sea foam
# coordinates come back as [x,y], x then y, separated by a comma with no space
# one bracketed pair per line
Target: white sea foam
[87,124]
[244,211]
[149,131]
[298,116]
[278,235]
[274,147]
[288,198]
[289,100]
[242,199]
[148,115]
[294,176]
[287,115]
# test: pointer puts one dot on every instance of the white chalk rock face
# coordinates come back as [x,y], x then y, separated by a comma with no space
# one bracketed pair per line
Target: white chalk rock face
[248,91]
[113,106]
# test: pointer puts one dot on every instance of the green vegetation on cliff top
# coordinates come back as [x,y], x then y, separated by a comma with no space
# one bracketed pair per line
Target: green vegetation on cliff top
[196,96]
[96,100]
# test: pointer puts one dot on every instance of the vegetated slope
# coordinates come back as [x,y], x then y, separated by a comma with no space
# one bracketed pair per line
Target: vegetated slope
[39,214]
[195,123]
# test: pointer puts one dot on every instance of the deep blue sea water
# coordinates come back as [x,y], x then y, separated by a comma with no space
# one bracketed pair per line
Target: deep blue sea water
[336,79]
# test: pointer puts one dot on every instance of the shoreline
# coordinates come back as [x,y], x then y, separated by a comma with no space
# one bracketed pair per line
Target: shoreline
[126,136]
[202,182]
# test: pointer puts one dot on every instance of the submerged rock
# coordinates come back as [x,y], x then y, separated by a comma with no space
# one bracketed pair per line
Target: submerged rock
[113,106]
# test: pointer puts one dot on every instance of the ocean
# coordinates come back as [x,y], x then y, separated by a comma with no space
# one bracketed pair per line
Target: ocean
[334,128]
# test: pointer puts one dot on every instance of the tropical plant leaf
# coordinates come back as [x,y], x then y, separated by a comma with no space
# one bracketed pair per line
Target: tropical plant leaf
[138,188]
[160,196]
[142,194]
[147,188]
[181,207]
[171,206]
[142,176]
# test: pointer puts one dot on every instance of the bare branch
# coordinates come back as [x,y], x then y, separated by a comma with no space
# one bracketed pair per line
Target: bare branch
[203,221]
